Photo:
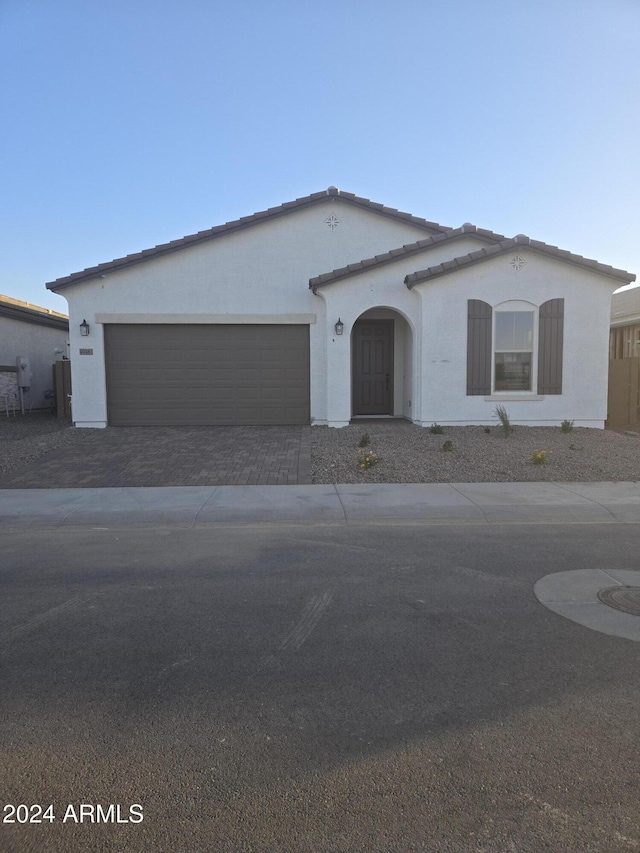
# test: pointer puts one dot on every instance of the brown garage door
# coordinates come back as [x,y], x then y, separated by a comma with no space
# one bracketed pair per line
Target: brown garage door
[195,375]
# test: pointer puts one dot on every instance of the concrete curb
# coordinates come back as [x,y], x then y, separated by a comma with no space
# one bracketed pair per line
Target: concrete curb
[573,594]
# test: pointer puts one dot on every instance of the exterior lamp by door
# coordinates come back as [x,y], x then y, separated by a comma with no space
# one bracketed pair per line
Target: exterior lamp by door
[84,328]
[339,327]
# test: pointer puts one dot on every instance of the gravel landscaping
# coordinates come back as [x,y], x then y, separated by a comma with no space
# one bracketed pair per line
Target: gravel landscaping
[26,438]
[406,453]
[412,454]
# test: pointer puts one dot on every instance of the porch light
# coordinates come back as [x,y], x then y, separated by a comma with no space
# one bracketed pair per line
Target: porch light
[84,328]
[339,327]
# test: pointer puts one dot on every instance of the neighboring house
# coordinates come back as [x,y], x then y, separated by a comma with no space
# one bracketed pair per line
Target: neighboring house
[39,336]
[624,338]
[623,410]
[332,307]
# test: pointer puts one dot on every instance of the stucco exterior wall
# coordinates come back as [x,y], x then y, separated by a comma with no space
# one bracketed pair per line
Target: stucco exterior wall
[264,270]
[38,344]
[587,298]
[381,292]
[261,274]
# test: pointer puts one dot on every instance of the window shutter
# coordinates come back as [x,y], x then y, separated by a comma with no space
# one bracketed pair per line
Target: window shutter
[550,342]
[478,348]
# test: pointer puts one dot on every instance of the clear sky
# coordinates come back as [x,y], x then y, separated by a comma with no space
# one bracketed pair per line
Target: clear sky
[128,123]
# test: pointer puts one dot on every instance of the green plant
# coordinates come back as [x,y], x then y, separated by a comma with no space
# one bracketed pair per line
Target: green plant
[566,426]
[436,429]
[448,446]
[539,457]
[365,440]
[505,423]
[367,459]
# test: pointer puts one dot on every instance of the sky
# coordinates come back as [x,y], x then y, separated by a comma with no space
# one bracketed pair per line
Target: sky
[129,123]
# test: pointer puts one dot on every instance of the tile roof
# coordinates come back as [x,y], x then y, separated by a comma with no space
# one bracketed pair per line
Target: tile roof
[237,225]
[17,309]
[625,306]
[403,252]
[520,240]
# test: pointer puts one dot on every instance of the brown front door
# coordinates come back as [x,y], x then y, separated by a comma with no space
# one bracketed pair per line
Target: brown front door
[372,367]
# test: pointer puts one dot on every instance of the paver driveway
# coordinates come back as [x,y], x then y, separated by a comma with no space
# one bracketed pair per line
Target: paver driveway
[172,456]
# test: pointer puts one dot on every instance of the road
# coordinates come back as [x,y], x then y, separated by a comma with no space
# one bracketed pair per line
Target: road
[313,688]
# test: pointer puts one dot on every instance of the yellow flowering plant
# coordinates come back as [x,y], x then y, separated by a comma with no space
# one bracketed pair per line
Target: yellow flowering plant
[367,458]
[539,457]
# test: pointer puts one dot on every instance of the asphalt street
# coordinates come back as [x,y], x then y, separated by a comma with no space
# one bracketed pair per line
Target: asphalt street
[313,688]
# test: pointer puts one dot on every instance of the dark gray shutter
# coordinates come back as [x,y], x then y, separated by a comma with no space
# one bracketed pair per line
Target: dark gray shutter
[478,347]
[550,341]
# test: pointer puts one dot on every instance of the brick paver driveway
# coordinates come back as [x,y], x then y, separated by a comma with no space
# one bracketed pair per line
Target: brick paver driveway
[172,456]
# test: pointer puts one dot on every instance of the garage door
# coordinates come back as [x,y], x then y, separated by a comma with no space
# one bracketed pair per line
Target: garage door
[195,375]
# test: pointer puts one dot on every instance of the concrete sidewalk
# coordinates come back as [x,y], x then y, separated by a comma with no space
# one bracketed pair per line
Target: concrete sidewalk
[431,503]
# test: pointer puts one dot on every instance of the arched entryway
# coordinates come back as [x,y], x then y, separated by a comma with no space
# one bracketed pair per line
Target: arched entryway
[381,365]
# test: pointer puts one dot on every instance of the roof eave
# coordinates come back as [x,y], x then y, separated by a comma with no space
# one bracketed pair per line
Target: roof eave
[37,318]
[524,243]
[332,193]
[402,253]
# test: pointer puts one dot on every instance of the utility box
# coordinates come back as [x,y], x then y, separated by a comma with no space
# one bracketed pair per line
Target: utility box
[23,372]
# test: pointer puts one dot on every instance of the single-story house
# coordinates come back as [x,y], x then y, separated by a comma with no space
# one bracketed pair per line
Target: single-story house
[624,338]
[31,340]
[332,307]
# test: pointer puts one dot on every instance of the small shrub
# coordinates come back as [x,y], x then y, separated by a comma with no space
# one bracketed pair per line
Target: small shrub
[367,459]
[365,440]
[505,423]
[436,429]
[448,446]
[566,426]
[487,430]
[539,457]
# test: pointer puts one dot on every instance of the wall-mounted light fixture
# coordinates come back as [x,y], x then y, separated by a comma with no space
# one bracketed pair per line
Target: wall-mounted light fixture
[84,328]
[339,327]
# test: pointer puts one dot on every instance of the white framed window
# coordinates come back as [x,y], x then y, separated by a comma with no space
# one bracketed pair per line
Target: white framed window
[513,348]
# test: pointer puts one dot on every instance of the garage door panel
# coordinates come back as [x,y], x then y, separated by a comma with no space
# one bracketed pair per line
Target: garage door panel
[207,374]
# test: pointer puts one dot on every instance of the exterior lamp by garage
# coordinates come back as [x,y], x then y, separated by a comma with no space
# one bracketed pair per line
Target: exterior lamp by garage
[84,329]
[339,327]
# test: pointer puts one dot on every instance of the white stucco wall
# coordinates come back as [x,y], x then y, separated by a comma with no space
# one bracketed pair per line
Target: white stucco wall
[381,292]
[38,344]
[263,270]
[261,274]
[587,298]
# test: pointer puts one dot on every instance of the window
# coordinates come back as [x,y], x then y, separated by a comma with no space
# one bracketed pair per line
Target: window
[513,351]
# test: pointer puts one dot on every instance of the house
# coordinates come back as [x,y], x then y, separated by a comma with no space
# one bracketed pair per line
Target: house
[332,307]
[37,337]
[624,337]
[623,408]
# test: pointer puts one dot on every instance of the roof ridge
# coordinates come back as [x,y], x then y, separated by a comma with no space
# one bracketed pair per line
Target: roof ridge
[237,224]
[30,306]
[405,250]
[509,243]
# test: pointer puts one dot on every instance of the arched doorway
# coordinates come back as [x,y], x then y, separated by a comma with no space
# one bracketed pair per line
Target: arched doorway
[381,365]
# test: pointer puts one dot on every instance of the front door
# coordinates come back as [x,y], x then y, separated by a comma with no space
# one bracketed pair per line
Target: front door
[372,367]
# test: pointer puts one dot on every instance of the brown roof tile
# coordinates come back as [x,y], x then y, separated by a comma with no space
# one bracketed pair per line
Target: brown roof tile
[238,224]
[510,244]
[403,252]
[17,309]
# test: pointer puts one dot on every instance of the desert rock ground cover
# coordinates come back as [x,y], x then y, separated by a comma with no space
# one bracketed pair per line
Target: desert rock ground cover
[412,454]
[406,453]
